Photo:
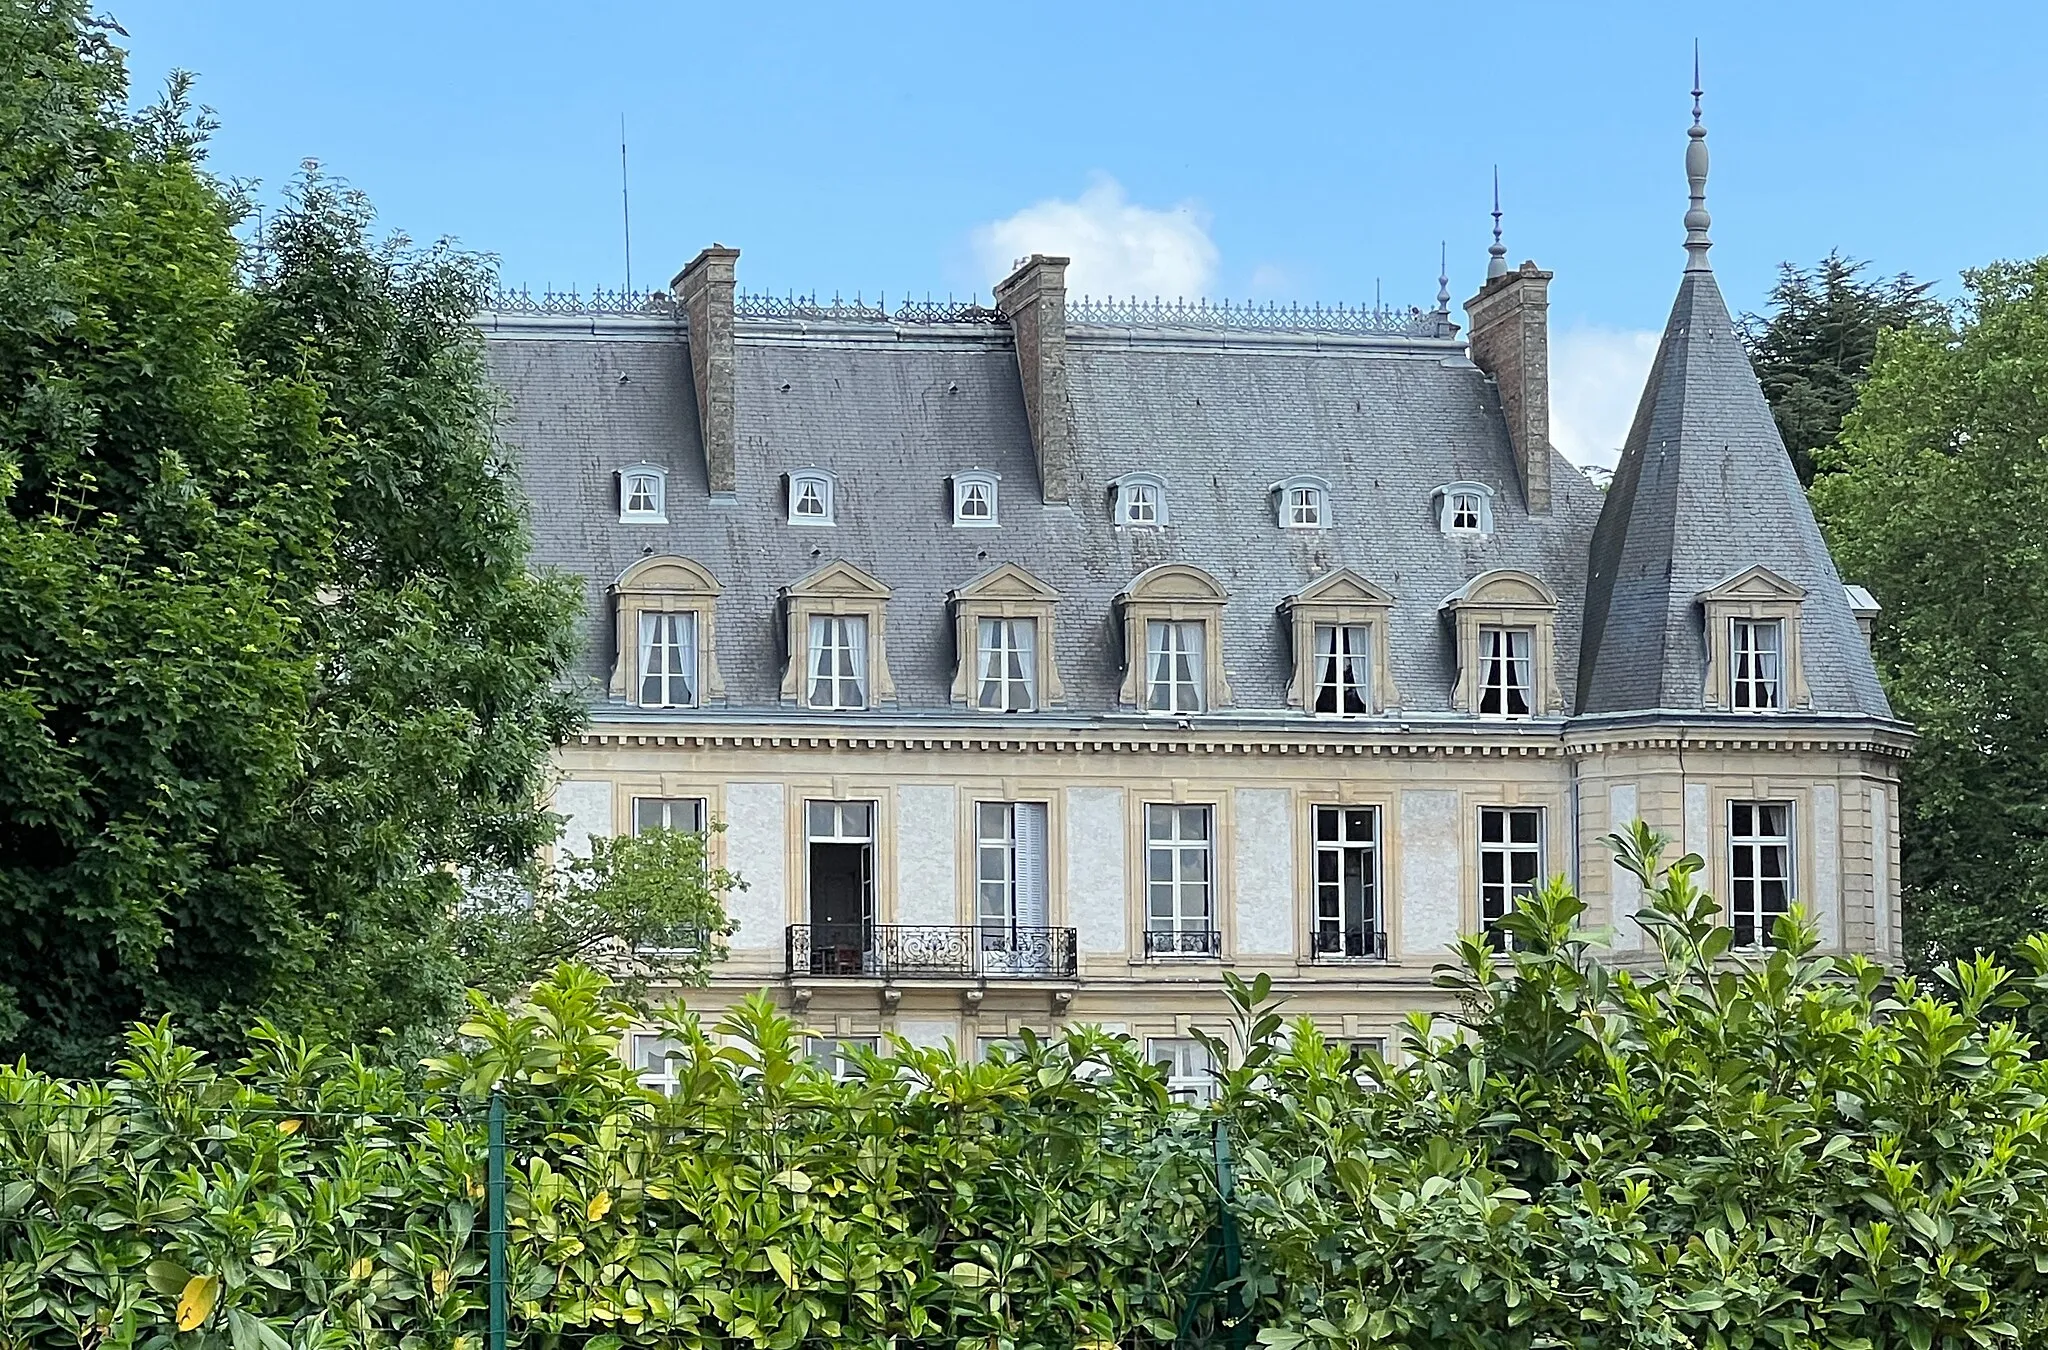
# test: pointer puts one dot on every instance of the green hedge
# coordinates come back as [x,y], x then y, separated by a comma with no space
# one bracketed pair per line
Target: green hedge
[1706,1149]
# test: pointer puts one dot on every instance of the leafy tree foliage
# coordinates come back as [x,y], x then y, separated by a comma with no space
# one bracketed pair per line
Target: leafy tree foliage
[648,908]
[1812,351]
[273,672]
[1939,509]
[1714,1148]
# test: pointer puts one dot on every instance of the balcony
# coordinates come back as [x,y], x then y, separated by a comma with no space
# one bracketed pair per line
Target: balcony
[1329,943]
[1171,942]
[899,951]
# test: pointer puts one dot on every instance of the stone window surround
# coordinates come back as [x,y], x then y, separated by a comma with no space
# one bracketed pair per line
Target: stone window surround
[1753,593]
[665,584]
[799,791]
[1222,861]
[990,483]
[1175,593]
[1048,793]
[1554,836]
[659,515]
[1340,793]
[1505,598]
[842,590]
[1341,597]
[1282,491]
[1117,487]
[1449,492]
[1004,592]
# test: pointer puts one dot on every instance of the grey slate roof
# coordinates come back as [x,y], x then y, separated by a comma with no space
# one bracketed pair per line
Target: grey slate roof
[892,410]
[1703,491]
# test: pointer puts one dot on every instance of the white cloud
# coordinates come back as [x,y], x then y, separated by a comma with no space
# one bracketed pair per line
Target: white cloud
[1596,380]
[1118,247]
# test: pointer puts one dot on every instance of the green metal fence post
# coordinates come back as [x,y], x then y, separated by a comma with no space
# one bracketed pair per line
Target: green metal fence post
[495,1182]
[1226,1187]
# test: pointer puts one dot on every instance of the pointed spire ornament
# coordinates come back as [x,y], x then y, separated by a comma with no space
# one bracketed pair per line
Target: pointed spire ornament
[1696,218]
[1443,278]
[1497,256]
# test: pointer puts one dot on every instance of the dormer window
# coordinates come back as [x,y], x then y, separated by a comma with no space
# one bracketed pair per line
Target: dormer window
[1303,502]
[810,497]
[1465,510]
[1140,499]
[643,495]
[1505,626]
[1752,642]
[974,499]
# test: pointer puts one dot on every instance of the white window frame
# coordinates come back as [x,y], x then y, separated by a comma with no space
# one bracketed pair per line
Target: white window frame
[829,1053]
[1174,647]
[1141,501]
[1190,1068]
[666,809]
[660,1076]
[1455,501]
[1756,673]
[1747,875]
[1498,898]
[1331,940]
[836,657]
[668,637]
[823,485]
[1343,656]
[1500,663]
[965,488]
[656,478]
[1005,667]
[1302,503]
[1178,903]
[1013,884]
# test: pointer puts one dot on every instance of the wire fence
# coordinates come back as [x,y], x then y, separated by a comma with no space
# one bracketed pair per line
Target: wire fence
[457,1219]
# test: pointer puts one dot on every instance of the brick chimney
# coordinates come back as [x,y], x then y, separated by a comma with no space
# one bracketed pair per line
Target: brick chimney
[1510,337]
[1034,299]
[705,288]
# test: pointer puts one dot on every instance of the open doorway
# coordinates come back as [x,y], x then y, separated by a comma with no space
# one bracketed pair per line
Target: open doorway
[840,846]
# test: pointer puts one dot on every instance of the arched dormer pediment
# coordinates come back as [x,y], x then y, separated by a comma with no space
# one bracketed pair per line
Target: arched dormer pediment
[1006,582]
[1174,582]
[665,612]
[1173,626]
[667,573]
[1503,588]
[840,579]
[1504,624]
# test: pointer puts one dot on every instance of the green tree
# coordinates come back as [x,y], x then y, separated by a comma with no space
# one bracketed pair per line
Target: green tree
[275,674]
[648,908]
[1812,350]
[1941,508]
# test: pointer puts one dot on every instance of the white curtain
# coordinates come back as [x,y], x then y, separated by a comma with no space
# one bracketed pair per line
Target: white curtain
[1358,666]
[853,635]
[824,666]
[1023,663]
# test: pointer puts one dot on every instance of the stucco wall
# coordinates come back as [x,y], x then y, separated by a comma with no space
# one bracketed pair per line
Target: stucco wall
[1263,872]
[927,842]
[1431,859]
[756,847]
[1096,906]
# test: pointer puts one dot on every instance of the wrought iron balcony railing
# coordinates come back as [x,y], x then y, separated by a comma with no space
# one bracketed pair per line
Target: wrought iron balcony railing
[1183,942]
[1330,942]
[900,951]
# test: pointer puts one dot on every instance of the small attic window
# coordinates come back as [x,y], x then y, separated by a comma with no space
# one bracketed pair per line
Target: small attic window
[810,497]
[643,495]
[974,499]
[1139,499]
[1303,502]
[1465,509]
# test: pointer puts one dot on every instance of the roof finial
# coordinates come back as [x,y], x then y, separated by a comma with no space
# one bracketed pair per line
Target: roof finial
[1443,277]
[1497,261]
[1696,218]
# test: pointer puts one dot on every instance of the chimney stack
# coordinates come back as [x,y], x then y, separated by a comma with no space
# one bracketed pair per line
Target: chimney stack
[1510,337]
[705,288]
[1034,300]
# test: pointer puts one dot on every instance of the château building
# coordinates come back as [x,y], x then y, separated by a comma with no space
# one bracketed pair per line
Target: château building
[1044,661]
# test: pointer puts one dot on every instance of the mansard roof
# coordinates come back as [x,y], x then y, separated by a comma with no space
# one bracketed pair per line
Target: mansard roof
[1705,492]
[893,408]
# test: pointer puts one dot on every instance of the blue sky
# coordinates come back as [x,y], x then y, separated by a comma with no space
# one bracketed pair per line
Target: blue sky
[1285,151]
